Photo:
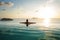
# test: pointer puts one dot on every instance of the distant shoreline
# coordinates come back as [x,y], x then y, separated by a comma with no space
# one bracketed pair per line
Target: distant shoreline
[6,19]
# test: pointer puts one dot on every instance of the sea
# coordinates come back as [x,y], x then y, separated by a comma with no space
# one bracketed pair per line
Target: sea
[14,30]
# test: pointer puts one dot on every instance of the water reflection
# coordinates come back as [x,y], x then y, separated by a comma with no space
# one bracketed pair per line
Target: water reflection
[46,22]
[51,29]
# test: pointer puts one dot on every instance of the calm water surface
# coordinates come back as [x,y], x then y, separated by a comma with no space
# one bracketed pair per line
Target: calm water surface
[13,30]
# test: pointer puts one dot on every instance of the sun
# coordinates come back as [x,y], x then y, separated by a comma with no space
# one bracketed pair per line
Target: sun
[46,12]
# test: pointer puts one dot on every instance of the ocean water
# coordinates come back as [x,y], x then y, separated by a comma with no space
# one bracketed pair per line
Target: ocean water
[13,30]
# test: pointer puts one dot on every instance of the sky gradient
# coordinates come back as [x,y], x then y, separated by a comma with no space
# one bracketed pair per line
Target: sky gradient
[29,8]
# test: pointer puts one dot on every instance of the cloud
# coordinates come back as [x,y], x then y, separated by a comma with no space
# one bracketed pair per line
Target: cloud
[1,3]
[7,4]
[50,1]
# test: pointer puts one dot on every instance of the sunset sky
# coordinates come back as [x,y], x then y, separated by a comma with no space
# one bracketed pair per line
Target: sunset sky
[30,8]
